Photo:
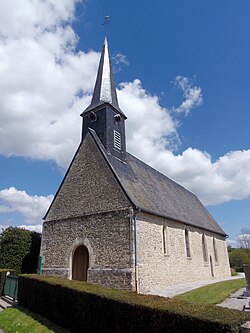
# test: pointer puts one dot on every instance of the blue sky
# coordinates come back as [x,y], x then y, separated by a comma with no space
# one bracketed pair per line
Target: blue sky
[182,72]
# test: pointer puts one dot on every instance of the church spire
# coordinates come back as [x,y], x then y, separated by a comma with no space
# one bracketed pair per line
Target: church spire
[104,91]
[104,115]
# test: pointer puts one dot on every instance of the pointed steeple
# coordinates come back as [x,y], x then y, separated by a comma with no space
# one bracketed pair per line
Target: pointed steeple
[104,91]
[104,115]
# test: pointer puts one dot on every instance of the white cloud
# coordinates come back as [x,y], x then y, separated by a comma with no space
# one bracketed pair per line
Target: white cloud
[232,242]
[151,135]
[28,17]
[121,58]
[149,126]
[36,228]
[244,238]
[5,209]
[192,95]
[46,84]
[2,227]
[33,208]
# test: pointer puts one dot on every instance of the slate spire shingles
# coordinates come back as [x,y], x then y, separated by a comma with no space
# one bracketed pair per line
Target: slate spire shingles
[104,91]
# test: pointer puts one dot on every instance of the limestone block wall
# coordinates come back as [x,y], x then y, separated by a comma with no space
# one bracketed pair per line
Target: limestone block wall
[157,269]
[107,238]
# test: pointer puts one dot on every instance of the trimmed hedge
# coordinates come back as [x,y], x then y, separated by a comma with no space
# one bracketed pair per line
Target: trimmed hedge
[83,307]
[3,273]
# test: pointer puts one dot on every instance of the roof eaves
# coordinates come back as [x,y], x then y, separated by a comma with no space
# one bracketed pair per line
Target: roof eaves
[180,221]
[99,106]
[135,206]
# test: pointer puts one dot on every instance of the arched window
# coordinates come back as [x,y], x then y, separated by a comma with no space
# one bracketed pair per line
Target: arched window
[204,249]
[187,244]
[215,250]
[165,240]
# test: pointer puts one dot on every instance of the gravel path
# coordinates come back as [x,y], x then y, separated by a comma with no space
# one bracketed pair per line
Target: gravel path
[235,301]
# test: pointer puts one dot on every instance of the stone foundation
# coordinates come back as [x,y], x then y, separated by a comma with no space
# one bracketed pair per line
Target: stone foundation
[119,278]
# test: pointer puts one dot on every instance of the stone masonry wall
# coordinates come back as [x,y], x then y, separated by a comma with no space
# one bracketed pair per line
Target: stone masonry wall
[107,238]
[157,270]
[89,186]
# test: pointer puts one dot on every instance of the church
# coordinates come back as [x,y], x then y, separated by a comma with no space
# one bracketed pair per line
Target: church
[118,222]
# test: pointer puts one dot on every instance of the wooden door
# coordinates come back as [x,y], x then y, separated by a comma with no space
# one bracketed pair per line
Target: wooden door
[80,263]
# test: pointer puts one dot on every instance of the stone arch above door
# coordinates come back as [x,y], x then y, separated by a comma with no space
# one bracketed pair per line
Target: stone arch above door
[78,242]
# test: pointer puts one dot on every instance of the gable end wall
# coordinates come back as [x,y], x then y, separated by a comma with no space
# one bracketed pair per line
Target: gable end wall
[89,186]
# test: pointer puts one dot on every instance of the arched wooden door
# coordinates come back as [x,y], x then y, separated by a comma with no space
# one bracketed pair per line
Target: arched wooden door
[80,263]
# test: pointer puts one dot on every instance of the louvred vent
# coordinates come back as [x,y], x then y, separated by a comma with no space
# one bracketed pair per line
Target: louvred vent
[117,140]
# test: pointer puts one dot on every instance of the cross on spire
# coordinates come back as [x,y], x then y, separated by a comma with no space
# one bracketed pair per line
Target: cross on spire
[106,20]
[105,23]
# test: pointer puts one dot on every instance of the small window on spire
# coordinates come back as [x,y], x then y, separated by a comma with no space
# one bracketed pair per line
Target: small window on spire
[92,116]
[117,140]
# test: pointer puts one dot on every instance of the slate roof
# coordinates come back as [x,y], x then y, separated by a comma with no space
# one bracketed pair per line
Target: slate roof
[155,193]
[104,91]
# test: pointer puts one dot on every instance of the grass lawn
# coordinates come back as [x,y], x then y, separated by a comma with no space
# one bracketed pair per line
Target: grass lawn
[213,293]
[21,320]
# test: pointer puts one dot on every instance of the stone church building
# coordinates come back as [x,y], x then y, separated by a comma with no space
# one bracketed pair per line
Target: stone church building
[118,222]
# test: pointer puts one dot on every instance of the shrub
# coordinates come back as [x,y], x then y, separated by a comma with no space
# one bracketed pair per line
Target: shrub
[83,307]
[18,247]
[30,261]
[237,258]
[239,269]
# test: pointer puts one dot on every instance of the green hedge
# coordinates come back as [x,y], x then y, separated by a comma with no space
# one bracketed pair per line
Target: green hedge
[83,307]
[19,249]
[3,273]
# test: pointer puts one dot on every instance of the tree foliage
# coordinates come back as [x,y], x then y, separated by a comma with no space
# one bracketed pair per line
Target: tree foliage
[18,247]
[238,258]
[30,261]
[244,241]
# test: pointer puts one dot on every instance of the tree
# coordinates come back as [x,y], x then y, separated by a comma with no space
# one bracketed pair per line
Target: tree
[30,261]
[16,247]
[238,258]
[244,241]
